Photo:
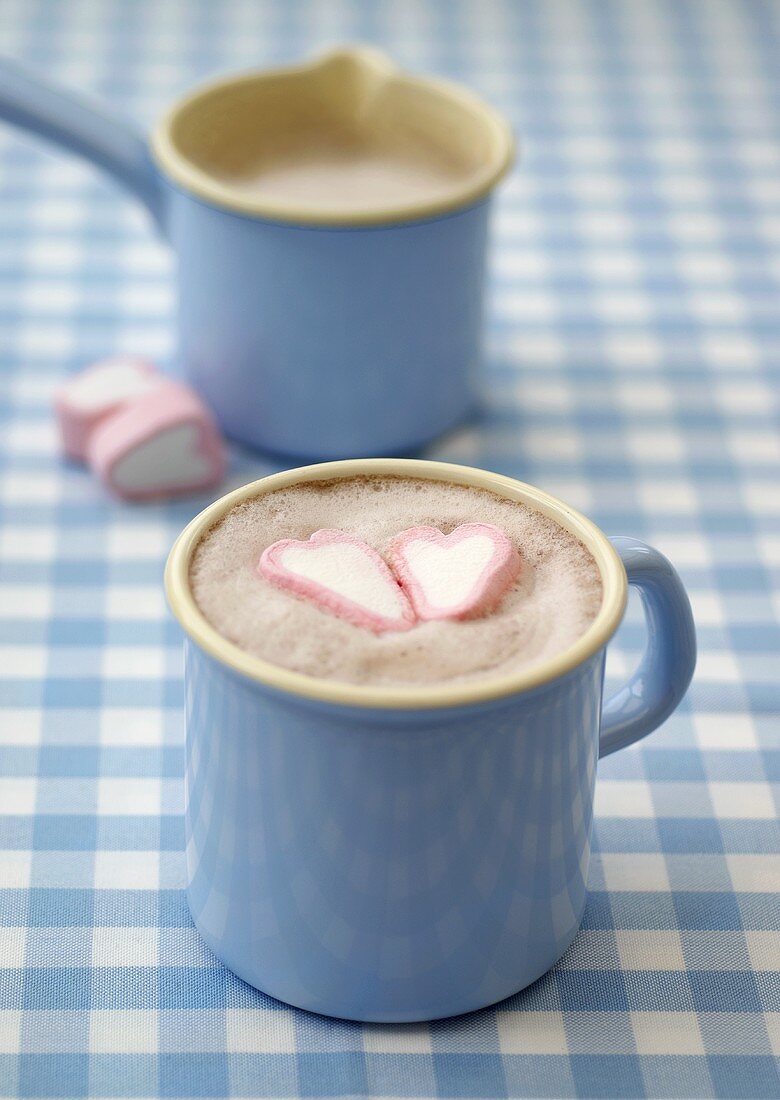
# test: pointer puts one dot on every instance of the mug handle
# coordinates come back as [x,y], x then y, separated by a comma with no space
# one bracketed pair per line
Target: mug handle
[666,668]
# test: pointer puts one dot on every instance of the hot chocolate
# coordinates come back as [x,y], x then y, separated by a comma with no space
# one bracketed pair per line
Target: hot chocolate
[551,602]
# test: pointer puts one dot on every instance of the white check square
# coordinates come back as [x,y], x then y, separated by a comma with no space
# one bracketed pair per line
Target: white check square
[135,726]
[21,727]
[755,874]
[123,1031]
[764,948]
[125,946]
[635,871]
[133,662]
[10,1030]
[140,797]
[17,795]
[531,1033]
[127,870]
[726,731]
[13,946]
[259,1031]
[650,949]
[667,1033]
[742,800]
[623,798]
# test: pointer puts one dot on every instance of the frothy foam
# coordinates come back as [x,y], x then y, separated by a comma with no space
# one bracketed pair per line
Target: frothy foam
[550,605]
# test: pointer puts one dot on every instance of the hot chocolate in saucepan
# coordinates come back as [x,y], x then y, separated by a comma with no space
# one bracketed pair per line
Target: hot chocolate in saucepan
[550,584]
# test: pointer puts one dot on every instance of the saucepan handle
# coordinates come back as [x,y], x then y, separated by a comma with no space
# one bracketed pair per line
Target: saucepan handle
[82,128]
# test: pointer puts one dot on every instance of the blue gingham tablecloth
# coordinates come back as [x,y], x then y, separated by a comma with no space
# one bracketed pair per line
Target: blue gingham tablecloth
[632,369]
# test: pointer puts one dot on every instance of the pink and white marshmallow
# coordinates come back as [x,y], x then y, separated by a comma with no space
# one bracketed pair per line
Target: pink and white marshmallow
[342,575]
[164,443]
[463,575]
[97,392]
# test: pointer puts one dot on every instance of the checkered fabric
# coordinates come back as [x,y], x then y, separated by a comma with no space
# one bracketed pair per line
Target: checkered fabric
[632,369]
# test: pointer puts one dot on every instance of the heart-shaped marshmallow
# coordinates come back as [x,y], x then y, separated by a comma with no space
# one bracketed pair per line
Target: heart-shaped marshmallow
[95,393]
[340,574]
[458,576]
[163,444]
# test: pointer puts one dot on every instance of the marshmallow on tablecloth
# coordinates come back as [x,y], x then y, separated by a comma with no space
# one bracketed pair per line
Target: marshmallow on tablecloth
[95,393]
[340,574]
[458,576]
[164,443]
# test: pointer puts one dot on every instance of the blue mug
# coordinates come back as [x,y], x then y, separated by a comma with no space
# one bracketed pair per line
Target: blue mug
[344,326]
[398,854]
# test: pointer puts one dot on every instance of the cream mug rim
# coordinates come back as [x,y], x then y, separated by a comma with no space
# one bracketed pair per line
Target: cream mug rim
[598,634]
[181,170]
